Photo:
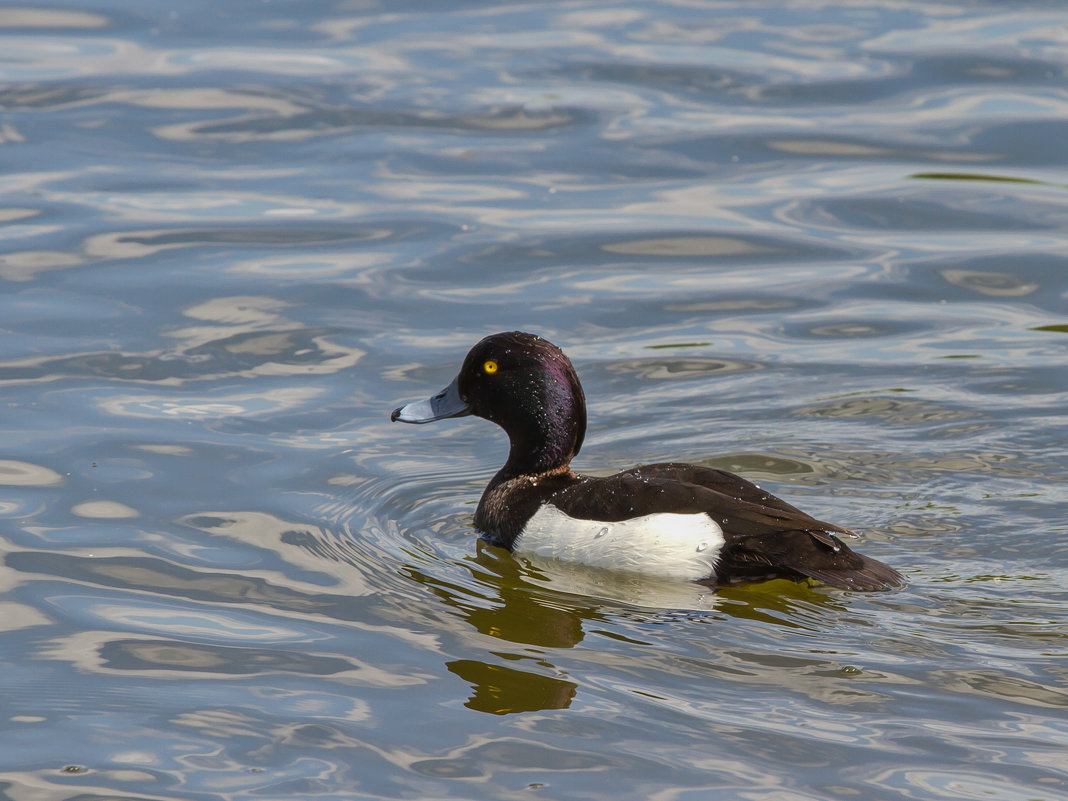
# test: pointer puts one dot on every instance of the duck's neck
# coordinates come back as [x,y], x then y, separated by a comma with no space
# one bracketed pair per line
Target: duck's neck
[548,435]
[531,454]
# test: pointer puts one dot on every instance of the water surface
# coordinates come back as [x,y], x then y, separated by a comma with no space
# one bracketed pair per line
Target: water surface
[821,245]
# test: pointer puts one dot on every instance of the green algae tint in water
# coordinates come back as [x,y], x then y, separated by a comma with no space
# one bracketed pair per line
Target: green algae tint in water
[822,247]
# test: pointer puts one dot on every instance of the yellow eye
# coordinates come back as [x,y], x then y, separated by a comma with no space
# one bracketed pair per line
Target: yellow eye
[490,367]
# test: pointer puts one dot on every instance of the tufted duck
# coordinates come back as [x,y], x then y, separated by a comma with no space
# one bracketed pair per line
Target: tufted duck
[671,520]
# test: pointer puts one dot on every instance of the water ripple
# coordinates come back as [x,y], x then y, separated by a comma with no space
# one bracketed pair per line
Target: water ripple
[821,246]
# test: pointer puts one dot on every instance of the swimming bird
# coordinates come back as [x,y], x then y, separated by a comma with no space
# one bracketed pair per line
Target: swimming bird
[670,520]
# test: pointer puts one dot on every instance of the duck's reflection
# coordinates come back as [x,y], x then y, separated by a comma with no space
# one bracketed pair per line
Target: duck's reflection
[506,606]
[515,613]
[501,690]
[546,604]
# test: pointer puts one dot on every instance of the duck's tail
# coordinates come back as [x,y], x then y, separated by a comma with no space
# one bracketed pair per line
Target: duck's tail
[812,553]
[840,566]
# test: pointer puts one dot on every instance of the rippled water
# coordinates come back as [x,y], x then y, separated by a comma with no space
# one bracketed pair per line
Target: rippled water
[823,245]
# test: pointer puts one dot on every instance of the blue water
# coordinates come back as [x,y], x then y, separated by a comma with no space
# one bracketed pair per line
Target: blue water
[821,245]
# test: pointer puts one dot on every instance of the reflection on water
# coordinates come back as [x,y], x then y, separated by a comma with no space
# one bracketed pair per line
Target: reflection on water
[24,474]
[822,246]
[501,690]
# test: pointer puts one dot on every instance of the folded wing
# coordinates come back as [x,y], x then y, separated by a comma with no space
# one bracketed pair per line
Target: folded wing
[765,536]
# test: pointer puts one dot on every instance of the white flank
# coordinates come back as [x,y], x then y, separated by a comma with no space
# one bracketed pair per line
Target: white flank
[668,545]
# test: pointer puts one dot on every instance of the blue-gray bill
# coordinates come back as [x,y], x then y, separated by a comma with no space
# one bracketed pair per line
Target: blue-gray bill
[446,403]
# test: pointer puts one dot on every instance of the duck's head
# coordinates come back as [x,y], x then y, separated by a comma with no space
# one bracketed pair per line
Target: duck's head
[524,384]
